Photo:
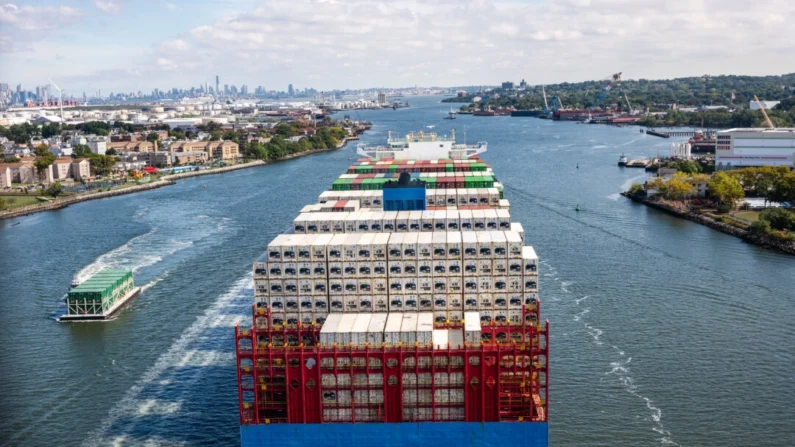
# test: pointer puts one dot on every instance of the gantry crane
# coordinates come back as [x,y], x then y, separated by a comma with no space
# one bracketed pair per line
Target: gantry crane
[762,109]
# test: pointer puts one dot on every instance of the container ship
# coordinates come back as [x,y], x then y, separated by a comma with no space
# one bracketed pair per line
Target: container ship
[401,309]
[101,296]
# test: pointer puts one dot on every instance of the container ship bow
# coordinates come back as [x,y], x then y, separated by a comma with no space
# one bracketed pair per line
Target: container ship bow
[401,310]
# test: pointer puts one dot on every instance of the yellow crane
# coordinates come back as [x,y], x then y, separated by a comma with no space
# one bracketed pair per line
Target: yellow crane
[762,109]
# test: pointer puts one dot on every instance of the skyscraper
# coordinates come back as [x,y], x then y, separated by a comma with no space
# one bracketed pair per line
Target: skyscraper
[290,90]
[217,84]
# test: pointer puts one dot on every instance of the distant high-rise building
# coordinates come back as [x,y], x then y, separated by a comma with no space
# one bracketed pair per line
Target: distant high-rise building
[244,90]
[508,85]
[217,84]
[290,90]
[382,98]
[226,89]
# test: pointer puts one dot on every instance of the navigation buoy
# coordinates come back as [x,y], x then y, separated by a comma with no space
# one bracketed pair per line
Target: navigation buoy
[578,166]
[577,208]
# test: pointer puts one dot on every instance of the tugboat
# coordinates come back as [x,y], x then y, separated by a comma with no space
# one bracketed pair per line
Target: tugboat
[622,160]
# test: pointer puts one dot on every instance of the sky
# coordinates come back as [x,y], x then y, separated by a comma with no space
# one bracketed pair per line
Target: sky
[131,45]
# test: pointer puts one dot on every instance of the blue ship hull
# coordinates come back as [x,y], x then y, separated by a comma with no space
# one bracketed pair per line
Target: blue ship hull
[421,434]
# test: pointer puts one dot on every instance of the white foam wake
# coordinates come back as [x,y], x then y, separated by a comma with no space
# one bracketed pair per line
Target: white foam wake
[178,354]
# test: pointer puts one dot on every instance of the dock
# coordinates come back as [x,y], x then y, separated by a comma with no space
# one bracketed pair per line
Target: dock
[678,133]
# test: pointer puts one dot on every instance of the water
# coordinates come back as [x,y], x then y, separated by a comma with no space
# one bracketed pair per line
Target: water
[664,332]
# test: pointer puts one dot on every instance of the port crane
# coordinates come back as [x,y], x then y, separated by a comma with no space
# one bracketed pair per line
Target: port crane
[615,79]
[556,103]
[762,109]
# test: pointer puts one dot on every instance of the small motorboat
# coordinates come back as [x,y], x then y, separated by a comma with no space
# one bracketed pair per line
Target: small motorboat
[622,160]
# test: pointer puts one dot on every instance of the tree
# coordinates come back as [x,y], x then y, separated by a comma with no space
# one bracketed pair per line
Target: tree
[678,189]
[784,188]
[11,160]
[110,151]
[637,191]
[725,188]
[50,130]
[215,135]
[55,190]
[779,218]
[761,227]
[656,183]
[95,127]
[81,151]
[152,137]
[44,158]
[763,187]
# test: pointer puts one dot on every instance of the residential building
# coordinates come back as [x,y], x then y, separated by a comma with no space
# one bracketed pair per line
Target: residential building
[133,146]
[189,158]
[157,158]
[223,150]
[220,150]
[739,148]
[81,168]
[5,176]
[21,172]
[766,104]
[98,145]
[62,168]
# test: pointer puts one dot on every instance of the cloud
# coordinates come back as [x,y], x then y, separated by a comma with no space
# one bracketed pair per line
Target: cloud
[360,43]
[36,18]
[170,6]
[108,6]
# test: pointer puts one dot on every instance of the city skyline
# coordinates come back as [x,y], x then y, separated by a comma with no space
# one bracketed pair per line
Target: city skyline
[125,46]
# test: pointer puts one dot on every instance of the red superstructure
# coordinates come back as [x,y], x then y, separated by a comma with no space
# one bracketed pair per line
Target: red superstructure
[285,376]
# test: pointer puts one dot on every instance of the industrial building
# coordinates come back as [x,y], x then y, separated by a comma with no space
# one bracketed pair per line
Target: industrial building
[740,148]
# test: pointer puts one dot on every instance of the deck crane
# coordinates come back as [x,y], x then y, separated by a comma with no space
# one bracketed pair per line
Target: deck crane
[614,80]
[762,109]
[556,103]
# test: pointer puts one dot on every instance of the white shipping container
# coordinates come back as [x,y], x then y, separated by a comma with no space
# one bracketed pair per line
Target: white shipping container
[395,247]
[375,331]
[365,303]
[499,244]
[402,222]
[408,329]
[454,244]
[411,303]
[439,245]
[485,247]
[500,267]
[426,302]
[515,248]
[427,220]
[503,220]
[455,316]
[465,220]
[352,222]
[335,246]
[478,220]
[455,337]
[275,247]
[424,246]
[359,330]
[381,303]
[470,301]
[388,221]
[394,323]
[472,328]
[410,246]
[335,303]
[453,221]
[415,221]
[529,261]
[342,335]
[470,244]
[440,338]
[439,220]
[425,327]
[364,247]
[518,228]
[379,249]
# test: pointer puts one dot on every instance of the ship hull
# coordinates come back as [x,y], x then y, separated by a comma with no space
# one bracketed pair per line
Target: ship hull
[420,434]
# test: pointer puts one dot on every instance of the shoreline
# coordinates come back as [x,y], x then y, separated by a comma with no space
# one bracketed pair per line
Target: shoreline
[166,180]
[753,239]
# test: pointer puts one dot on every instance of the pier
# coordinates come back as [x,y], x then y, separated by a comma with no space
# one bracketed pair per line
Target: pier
[678,133]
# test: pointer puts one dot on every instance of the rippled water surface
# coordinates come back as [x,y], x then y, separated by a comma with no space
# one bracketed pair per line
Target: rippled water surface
[664,331]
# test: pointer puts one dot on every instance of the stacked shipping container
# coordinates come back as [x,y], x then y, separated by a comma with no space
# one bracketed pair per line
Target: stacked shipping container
[363,315]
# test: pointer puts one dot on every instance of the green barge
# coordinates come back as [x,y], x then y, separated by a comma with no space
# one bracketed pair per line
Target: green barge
[100,297]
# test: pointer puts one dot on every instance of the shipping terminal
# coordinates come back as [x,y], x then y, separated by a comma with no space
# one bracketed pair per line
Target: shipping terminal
[402,309]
